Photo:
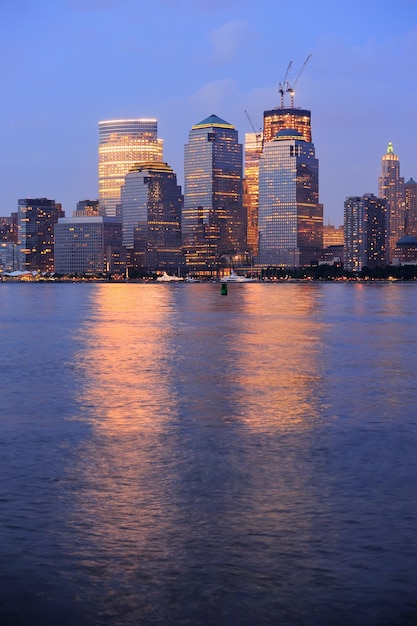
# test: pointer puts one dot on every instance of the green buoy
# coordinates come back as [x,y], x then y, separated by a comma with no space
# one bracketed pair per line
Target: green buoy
[224,289]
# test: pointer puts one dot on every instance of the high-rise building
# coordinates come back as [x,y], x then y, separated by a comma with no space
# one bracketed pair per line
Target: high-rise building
[290,216]
[253,151]
[87,208]
[282,118]
[123,144]
[36,218]
[88,245]
[332,235]
[366,232]
[391,187]
[151,204]
[411,208]
[213,218]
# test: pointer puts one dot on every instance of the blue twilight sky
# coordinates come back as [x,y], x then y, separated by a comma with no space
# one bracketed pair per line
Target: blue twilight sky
[66,64]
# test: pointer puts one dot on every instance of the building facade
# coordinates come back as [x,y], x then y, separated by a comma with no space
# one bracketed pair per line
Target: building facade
[391,188]
[283,118]
[410,228]
[213,217]
[151,203]
[87,208]
[123,144]
[290,218]
[36,218]
[253,152]
[88,245]
[366,232]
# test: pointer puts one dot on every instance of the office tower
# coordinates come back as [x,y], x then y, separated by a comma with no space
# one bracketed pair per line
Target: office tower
[332,236]
[151,204]
[87,208]
[282,118]
[213,219]
[122,144]
[290,215]
[366,232]
[411,208]
[253,151]
[391,187]
[88,245]
[36,218]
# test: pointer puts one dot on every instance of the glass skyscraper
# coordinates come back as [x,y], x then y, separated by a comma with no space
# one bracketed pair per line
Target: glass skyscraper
[282,118]
[391,187]
[151,204]
[290,216]
[213,218]
[122,144]
[253,151]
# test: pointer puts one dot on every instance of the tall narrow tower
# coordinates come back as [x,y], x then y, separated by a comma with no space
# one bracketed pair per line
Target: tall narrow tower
[123,144]
[253,152]
[391,188]
[213,218]
[411,208]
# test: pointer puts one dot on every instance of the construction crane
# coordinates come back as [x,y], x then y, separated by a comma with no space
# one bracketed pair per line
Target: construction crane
[291,89]
[284,86]
[258,133]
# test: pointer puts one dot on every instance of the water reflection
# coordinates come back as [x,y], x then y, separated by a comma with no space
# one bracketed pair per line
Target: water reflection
[182,386]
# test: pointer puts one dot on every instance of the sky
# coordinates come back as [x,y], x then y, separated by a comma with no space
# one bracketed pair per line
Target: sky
[66,64]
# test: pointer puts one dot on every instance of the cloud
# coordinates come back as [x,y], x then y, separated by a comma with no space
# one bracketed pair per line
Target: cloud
[228,40]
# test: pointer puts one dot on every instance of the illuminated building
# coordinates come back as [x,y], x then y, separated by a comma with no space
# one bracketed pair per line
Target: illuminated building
[87,208]
[151,205]
[282,118]
[253,151]
[290,216]
[88,245]
[332,236]
[366,232]
[213,218]
[122,144]
[411,208]
[36,218]
[391,187]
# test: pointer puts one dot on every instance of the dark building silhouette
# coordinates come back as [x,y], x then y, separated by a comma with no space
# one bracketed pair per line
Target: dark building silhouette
[36,218]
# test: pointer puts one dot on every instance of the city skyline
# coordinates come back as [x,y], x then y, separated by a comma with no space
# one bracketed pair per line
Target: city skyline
[67,67]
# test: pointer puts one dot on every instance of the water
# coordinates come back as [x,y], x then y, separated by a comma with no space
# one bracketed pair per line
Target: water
[169,455]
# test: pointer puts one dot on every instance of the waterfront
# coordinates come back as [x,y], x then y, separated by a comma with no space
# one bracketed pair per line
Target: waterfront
[174,456]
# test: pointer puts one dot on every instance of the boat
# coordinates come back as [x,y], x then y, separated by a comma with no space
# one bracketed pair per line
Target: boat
[167,278]
[192,279]
[237,278]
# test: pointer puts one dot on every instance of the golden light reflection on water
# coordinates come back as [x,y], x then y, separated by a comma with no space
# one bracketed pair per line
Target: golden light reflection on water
[125,357]
[156,353]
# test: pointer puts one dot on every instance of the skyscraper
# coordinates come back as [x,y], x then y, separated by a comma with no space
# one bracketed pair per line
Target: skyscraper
[391,187]
[253,152]
[151,216]
[411,208]
[213,218]
[282,118]
[36,218]
[290,215]
[366,232]
[122,144]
